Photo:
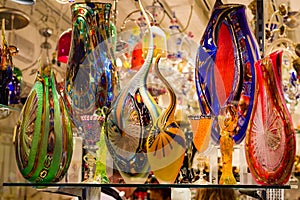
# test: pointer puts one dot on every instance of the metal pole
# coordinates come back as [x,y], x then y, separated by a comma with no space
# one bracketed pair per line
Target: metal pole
[260,26]
[115,12]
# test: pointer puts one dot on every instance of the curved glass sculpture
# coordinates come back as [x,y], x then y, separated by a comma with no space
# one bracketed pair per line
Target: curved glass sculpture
[225,66]
[166,141]
[270,140]
[43,135]
[129,122]
[131,118]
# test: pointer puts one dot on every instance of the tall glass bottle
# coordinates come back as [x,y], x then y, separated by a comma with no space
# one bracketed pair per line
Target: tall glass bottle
[91,80]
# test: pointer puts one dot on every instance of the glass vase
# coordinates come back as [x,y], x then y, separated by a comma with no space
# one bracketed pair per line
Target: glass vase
[131,118]
[201,128]
[91,79]
[270,142]
[43,135]
[225,66]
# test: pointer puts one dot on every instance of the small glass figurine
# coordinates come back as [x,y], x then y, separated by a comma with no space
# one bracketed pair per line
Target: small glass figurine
[90,160]
[227,119]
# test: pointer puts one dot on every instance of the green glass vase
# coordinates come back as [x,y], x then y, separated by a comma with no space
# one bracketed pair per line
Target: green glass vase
[43,135]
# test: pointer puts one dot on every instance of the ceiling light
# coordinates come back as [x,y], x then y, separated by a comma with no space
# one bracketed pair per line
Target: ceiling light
[65,1]
[62,1]
[25,2]
[14,19]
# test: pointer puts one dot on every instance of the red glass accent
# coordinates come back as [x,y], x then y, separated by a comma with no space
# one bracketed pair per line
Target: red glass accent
[63,47]
[225,64]
[137,59]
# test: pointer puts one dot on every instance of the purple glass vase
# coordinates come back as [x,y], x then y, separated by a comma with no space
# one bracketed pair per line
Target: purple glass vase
[224,71]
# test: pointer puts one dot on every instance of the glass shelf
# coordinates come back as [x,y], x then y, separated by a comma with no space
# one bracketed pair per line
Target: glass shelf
[12,108]
[91,191]
[5,110]
[106,185]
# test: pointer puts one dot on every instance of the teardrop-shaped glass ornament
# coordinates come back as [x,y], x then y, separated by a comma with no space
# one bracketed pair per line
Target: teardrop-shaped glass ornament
[166,142]
[270,140]
[131,118]
[43,135]
[129,122]
[225,66]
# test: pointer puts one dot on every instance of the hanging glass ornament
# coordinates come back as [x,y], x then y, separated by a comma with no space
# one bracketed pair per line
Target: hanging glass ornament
[6,68]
